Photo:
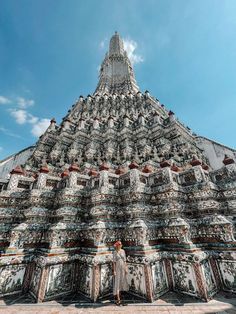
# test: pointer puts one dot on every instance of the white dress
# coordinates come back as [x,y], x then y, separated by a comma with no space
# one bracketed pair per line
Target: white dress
[120,282]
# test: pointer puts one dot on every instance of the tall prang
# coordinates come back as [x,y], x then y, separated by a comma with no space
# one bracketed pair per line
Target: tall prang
[119,166]
[116,72]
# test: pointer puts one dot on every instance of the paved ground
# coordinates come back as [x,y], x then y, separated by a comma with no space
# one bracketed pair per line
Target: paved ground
[169,303]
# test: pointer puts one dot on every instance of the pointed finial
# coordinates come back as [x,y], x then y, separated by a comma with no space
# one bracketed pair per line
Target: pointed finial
[116,45]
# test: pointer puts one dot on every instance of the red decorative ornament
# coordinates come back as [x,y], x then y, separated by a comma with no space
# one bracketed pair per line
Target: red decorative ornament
[228,160]
[195,162]
[120,171]
[147,169]
[17,170]
[74,167]
[65,173]
[133,165]
[165,163]
[175,168]
[92,172]
[104,166]
[205,166]
[44,169]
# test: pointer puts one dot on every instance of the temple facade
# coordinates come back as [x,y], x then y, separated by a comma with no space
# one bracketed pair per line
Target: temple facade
[119,166]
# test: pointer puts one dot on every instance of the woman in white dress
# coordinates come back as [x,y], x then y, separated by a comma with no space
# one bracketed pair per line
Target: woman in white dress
[120,271]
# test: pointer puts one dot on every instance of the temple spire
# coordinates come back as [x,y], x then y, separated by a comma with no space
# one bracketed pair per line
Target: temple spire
[116,46]
[116,72]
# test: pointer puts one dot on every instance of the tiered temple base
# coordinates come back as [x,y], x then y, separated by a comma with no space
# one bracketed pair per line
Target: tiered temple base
[150,275]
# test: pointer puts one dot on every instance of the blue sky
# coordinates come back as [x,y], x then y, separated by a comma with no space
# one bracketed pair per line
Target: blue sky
[184,53]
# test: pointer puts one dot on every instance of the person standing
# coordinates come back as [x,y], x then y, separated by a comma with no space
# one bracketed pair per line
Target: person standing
[120,272]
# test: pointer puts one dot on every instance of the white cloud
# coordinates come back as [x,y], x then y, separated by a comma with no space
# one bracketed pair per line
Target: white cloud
[32,119]
[130,46]
[40,127]
[20,101]
[24,103]
[4,100]
[103,43]
[9,132]
[19,115]
[1,148]
[22,117]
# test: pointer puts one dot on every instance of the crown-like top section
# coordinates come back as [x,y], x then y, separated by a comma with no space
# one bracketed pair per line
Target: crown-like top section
[116,72]
[116,47]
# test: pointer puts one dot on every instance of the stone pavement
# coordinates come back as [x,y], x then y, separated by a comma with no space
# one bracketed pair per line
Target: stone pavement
[169,303]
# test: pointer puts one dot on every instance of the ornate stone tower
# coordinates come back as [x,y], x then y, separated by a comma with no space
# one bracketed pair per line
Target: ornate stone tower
[120,166]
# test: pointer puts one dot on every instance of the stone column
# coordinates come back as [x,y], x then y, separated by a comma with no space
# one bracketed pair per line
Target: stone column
[216,272]
[149,283]
[110,122]
[169,273]
[104,180]
[16,173]
[126,121]
[27,277]
[42,284]
[156,118]
[200,280]
[74,169]
[42,177]
[96,123]
[81,124]
[135,184]
[141,119]
[52,125]
[171,116]
[95,283]
[66,124]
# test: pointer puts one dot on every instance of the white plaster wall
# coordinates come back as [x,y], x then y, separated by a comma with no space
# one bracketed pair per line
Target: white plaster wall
[159,278]
[12,161]
[84,279]
[60,279]
[136,279]
[106,279]
[215,152]
[183,275]
[228,273]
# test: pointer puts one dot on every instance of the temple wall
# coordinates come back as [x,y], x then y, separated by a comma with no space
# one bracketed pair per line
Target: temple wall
[84,282]
[228,273]
[215,152]
[159,278]
[136,279]
[34,285]
[60,280]
[209,279]
[11,279]
[184,278]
